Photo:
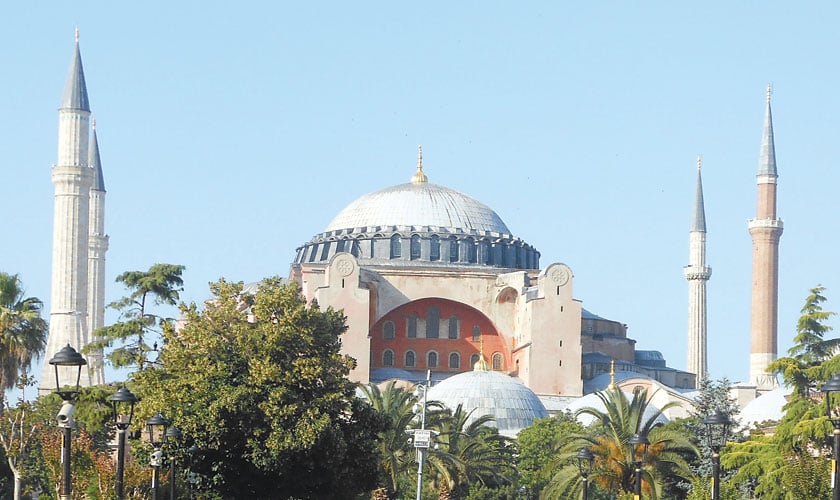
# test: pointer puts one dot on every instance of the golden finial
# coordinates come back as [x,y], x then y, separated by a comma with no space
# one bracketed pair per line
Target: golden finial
[481,365]
[699,162]
[77,34]
[769,91]
[612,374]
[419,177]
[93,124]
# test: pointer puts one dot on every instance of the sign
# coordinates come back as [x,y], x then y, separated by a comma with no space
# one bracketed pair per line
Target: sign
[422,438]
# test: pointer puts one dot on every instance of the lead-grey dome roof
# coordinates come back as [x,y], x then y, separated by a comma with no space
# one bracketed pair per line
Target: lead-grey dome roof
[507,399]
[419,204]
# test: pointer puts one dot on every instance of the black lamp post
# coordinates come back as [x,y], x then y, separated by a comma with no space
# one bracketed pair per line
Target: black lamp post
[717,427]
[122,406]
[192,477]
[584,459]
[173,434]
[68,365]
[156,427]
[638,450]
[831,411]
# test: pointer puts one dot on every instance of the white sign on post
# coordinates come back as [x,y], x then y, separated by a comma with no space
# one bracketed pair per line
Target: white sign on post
[422,439]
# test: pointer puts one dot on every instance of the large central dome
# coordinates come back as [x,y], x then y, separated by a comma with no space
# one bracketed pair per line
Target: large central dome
[419,204]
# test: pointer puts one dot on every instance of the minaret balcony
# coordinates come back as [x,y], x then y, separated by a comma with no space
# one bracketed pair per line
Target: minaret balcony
[697,272]
[771,223]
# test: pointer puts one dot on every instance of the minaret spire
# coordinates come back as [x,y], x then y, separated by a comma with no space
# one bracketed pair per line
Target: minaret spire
[766,231]
[419,177]
[98,246]
[72,179]
[697,273]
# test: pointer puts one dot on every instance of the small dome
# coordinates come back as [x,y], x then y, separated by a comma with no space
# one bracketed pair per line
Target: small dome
[769,407]
[593,401]
[419,204]
[501,396]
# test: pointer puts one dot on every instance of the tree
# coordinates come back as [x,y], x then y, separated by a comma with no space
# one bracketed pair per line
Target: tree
[159,285]
[258,385]
[607,439]
[801,370]
[537,446]
[23,333]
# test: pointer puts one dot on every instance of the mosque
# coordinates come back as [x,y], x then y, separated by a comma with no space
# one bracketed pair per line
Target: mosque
[431,279]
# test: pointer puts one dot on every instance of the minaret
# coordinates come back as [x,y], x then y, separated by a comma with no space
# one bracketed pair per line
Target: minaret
[697,273]
[98,245]
[765,230]
[72,179]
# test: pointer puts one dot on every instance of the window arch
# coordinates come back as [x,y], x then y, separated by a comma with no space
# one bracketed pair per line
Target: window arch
[388,330]
[387,357]
[432,359]
[476,333]
[396,246]
[415,247]
[453,249]
[434,247]
[454,327]
[433,323]
[498,363]
[469,250]
[410,359]
[339,245]
[454,361]
[474,359]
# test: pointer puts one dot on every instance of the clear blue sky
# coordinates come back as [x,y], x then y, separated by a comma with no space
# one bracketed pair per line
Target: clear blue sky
[231,135]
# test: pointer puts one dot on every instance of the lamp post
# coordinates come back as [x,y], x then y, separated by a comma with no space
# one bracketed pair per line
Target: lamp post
[173,434]
[584,459]
[68,363]
[422,437]
[192,477]
[156,427]
[122,406]
[638,450]
[717,427]
[831,411]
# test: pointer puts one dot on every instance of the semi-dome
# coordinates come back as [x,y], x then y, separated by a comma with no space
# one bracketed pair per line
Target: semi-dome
[421,204]
[513,405]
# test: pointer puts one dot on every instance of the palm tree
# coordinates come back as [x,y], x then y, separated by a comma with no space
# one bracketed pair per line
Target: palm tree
[23,333]
[607,437]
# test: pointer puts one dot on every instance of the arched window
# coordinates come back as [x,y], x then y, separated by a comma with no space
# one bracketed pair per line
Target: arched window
[469,249]
[483,251]
[388,331]
[432,323]
[325,251]
[387,357]
[339,245]
[411,326]
[434,247]
[476,333]
[454,361]
[415,246]
[474,359]
[497,361]
[410,359]
[432,359]
[453,249]
[396,246]
[354,248]
[454,327]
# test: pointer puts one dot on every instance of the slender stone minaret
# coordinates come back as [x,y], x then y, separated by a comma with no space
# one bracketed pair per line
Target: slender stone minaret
[765,230]
[697,273]
[72,178]
[98,245]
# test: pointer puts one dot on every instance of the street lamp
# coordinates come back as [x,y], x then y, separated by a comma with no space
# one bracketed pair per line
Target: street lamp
[422,437]
[717,427]
[122,406]
[68,364]
[173,434]
[584,459]
[831,411]
[638,451]
[156,427]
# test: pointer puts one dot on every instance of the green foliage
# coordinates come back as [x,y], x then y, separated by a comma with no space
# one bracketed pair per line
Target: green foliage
[537,446]
[159,286]
[257,384]
[607,437]
[23,333]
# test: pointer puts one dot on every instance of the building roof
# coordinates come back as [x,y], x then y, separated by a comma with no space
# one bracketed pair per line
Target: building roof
[513,405]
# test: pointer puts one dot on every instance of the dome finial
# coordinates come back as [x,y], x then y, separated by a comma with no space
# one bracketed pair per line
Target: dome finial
[419,177]
[481,364]
[77,34]
[612,374]
[769,91]
[93,124]
[699,162]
